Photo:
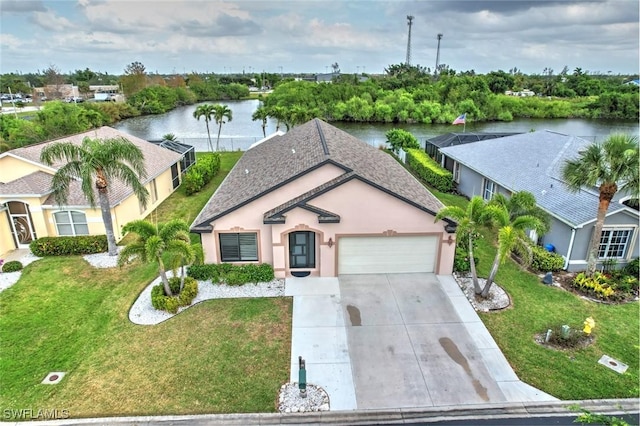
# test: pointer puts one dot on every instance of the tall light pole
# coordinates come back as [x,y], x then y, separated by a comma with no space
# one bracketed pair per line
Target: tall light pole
[409,23]
[438,55]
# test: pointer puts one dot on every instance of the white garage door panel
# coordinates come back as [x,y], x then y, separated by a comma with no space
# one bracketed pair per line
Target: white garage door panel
[380,255]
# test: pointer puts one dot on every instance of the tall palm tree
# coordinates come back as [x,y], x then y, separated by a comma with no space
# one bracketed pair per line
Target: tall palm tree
[611,167]
[470,220]
[261,114]
[511,237]
[278,113]
[97,163]
[154,242]
[220,112]
[207,111]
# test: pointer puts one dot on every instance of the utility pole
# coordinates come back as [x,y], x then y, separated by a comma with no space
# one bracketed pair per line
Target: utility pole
[435,72]
[409,23]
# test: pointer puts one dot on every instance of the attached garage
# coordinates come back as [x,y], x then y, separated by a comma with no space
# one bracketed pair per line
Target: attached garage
[393,254]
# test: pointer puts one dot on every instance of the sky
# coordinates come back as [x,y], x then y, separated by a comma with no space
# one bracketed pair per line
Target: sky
[301,36]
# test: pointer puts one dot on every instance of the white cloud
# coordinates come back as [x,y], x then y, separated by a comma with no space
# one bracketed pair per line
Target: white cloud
[50,21]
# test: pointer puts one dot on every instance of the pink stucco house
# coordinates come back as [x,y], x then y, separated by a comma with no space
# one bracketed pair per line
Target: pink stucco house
[319,201]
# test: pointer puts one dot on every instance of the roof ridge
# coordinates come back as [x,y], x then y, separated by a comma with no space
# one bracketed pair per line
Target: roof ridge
[323,141]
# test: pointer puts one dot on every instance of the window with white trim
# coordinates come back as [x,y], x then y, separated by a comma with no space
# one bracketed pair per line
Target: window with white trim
[239,247]
[456,172]
[71,223]
[153,191]
[614,243]
[490,188]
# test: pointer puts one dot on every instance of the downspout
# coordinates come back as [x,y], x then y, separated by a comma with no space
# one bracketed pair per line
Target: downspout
[442,158]
[573,237]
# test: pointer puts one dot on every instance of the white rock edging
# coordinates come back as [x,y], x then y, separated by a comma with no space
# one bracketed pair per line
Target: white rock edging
[7,279]
[290,401]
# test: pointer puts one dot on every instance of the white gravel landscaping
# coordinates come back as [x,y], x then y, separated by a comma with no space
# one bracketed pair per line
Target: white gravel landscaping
[7,279]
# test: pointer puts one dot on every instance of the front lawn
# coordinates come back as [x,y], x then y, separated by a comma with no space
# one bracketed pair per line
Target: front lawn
[221,356]
[569,374]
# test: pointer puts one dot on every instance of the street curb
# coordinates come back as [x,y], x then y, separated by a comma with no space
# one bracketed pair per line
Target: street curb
[365,417]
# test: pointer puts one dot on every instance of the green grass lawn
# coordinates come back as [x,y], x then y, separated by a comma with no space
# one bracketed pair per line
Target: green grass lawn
[221,356]
[568,374]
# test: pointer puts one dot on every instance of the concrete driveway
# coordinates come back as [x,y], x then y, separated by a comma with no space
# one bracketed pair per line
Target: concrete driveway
[414,340]
[396,341]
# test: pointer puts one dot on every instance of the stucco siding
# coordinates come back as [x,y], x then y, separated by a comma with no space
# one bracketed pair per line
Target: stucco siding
[559,236]
[12,168]
[6,240]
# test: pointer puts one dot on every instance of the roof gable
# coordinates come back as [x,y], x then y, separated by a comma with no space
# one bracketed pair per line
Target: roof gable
[282,159]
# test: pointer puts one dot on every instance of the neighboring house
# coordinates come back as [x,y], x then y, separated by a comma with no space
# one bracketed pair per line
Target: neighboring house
[433,145]
[319,201]
[533,162]
[28,210]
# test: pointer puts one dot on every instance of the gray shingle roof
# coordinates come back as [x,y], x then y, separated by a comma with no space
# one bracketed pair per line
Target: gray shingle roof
[34,184]
[533,162]
[282,159]
[156,160]
[451,139]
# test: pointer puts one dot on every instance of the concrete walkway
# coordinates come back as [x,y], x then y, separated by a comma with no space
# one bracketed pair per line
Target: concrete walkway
[398,341]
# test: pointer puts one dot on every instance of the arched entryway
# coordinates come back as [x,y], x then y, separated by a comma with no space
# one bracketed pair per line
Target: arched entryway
[21,223]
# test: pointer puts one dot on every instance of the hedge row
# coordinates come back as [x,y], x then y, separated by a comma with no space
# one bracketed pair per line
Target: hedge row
[66,246]
[201,173]
[429,171]
[231,274]
[546,261]
[171,304]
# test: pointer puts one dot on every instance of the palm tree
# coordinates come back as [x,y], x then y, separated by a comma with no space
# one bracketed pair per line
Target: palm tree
[153,242]
[511,237]
[220,112]
[261,114]
[170,137]
[278,113]
[97,162]
[523,203]
[469,221]
[611,166]
[206,111]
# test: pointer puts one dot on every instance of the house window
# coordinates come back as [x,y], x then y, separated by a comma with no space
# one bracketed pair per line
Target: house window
[175,176]
[456,172]
[489,189]
[153,191]
[239,247]
[71,223]
[613,243]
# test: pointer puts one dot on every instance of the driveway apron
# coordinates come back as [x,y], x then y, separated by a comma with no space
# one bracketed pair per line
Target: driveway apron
[411,347]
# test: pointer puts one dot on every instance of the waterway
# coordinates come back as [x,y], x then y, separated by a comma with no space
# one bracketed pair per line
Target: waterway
[242,131]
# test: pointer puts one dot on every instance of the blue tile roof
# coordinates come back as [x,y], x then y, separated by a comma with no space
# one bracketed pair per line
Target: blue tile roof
[533,162]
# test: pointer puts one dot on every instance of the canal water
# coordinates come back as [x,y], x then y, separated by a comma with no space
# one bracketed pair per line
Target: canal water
[242,131]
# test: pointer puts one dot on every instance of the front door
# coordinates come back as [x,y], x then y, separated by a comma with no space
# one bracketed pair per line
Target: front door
[21,225]
[302,250]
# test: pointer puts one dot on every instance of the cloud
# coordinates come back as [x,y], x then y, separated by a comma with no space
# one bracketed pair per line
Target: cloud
[50,21]
[22,6]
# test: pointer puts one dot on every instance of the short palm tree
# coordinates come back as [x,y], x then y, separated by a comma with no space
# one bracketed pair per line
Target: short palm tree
[611,167]
[97,163]
[220,112]
[278,113]
[206,111]
[511,237]
[154,242]
[261,114]
[469,221]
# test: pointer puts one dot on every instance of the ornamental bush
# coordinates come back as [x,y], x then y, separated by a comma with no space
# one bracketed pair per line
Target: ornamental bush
[461,261]
[162,302]
[67,246]
[201,173]
[546,261]
[12,266]
[429,171]
[231,274]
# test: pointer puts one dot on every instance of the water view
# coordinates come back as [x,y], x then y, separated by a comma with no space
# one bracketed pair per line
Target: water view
[241,132]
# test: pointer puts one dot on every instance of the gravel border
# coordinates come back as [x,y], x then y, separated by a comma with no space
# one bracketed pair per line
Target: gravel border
[7,279]
[290,401]
[496,300]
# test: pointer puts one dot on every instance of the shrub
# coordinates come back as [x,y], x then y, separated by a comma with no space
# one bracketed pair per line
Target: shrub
[162,302]
[633,268]
[429,171]
[461,261]
[67,246]
[401,139]
[232,274]
[597,285]
[201,173]
[12,266]
[546,261]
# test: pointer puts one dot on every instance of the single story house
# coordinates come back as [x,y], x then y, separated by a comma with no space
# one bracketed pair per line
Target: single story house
[533,162]
[318,201]
[433,145]
[29,211]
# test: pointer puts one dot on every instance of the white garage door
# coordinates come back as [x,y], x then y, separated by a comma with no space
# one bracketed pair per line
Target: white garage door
[379,255]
